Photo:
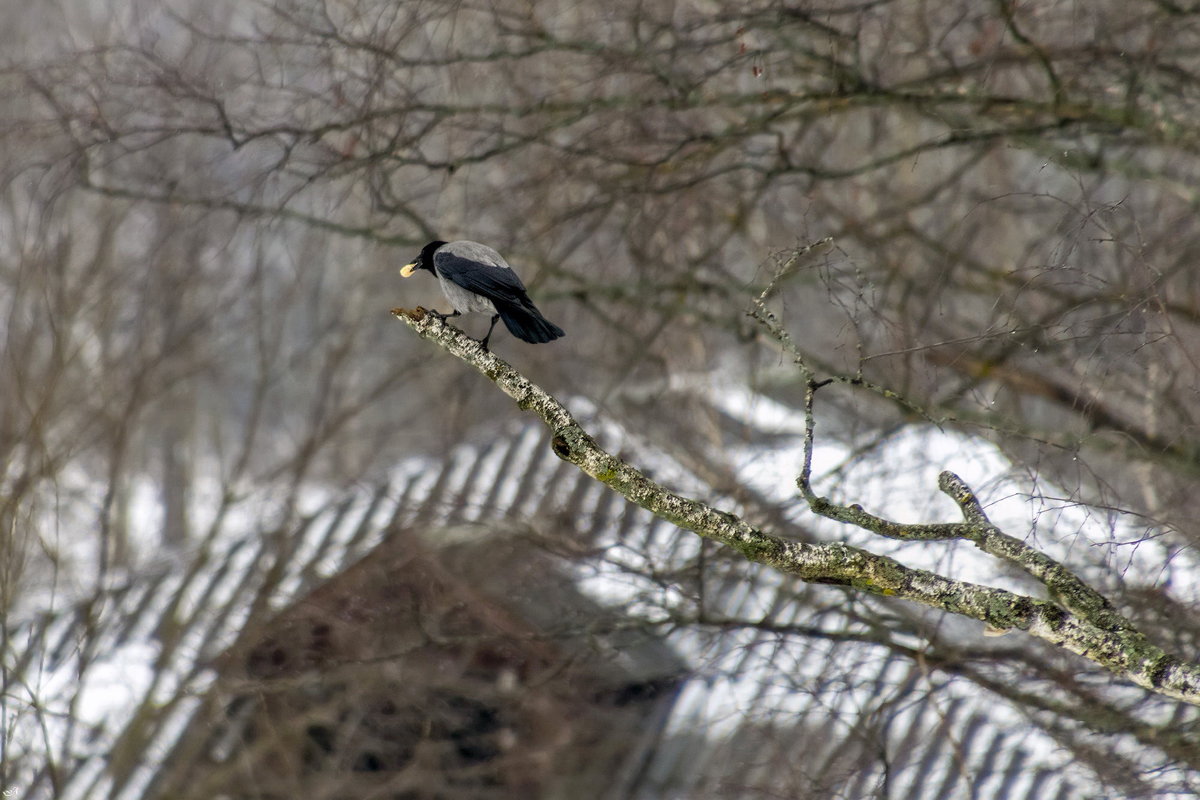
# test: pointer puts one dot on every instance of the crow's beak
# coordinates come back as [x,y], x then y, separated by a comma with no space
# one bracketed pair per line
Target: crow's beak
[407,270]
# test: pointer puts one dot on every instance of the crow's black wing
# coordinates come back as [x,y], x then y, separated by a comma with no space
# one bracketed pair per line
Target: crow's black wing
[490,281]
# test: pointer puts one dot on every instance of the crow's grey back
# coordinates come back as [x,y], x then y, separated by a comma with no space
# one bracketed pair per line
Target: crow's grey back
[475,252]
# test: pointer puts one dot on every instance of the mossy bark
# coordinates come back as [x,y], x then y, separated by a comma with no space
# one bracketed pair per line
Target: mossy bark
[1080,619]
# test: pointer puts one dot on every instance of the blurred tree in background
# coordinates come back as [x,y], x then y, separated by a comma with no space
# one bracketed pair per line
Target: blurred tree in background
[204,205]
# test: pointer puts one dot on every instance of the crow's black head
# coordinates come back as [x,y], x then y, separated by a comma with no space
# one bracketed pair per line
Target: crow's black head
[423,261]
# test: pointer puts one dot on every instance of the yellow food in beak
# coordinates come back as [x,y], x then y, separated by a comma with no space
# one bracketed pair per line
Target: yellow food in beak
[407,270]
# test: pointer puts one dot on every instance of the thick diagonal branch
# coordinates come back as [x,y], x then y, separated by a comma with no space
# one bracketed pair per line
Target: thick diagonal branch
[1123,651]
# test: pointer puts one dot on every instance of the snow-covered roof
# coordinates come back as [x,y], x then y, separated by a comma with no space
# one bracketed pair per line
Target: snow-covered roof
[810,697]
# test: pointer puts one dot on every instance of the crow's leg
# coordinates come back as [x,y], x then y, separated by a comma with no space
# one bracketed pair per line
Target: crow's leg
[484,340]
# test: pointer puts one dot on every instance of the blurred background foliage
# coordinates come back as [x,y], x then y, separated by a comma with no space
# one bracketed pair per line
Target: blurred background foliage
[203,206]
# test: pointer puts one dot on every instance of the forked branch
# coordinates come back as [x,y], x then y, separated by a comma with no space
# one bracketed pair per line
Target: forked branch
[1082,622]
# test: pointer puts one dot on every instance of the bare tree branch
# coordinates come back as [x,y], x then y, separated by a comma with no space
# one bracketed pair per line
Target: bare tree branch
[1084,623]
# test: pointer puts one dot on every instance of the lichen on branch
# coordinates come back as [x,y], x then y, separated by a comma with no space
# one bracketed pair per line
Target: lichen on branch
[1082,621]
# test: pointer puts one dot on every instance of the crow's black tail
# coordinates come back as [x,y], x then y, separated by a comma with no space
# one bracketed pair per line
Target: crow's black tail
[525,322]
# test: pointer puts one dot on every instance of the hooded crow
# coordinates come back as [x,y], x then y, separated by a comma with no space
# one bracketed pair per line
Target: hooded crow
[475,277]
